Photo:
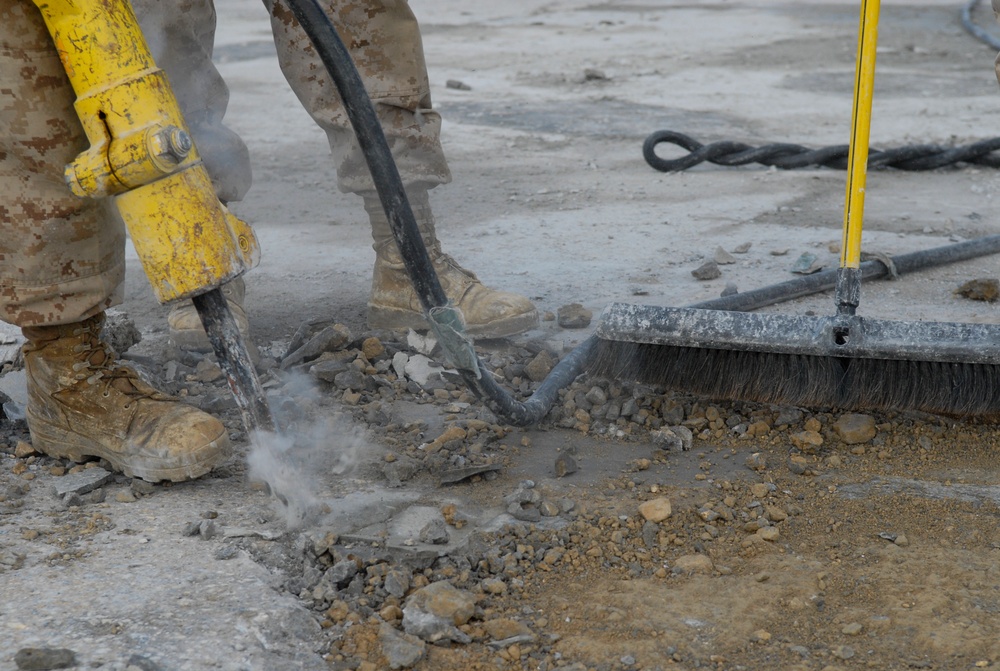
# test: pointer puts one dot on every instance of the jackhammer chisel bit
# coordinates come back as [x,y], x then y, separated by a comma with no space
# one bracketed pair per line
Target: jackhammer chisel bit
[234,359]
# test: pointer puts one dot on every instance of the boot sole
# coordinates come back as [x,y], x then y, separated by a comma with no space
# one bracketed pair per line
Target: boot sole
[396,319]
[63,444]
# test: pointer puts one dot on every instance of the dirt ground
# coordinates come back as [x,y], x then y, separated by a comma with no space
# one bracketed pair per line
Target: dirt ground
[797,538]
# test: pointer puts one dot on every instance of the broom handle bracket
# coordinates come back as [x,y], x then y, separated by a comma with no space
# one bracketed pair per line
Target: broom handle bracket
[848,292]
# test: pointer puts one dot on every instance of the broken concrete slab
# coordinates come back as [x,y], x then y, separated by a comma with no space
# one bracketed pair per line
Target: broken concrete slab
[85,481]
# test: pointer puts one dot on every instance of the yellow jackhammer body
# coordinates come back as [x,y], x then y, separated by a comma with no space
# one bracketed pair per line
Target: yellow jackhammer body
[143,157]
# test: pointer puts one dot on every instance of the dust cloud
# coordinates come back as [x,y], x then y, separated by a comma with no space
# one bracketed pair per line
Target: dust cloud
[296,463]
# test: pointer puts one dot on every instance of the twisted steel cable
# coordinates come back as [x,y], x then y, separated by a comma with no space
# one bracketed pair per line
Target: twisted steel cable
[790,156]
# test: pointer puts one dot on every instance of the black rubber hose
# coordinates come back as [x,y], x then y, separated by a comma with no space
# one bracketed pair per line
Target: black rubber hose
[389,185]
[825,280]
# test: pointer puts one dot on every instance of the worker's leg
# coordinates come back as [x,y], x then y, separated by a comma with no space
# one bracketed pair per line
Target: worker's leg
[61,265]
[181,36]
[384,40]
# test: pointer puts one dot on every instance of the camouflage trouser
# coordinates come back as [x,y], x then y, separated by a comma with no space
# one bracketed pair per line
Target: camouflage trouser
[61,257]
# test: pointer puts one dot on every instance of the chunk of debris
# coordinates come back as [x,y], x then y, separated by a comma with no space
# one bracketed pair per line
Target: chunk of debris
[707,271]
[807,264]
[565,465]
[80,483]
[435,532]
[722,257]
[574,316]
[330,339]
[434,613]
[980,290]
[401,650]
[42,659]
[454,475]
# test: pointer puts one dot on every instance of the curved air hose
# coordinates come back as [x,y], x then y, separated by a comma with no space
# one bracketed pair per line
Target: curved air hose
[389,185]
[970,25]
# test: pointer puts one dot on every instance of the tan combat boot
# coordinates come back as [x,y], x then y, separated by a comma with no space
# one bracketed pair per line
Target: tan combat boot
[187,332]
[394,304]
[82,403]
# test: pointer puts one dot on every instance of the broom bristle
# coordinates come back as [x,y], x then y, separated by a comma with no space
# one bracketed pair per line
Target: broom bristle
[955,389]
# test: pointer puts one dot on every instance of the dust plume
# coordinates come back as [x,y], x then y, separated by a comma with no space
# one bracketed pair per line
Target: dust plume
[297,463]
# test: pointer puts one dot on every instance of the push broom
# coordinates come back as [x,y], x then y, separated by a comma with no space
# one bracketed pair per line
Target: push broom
[844,361]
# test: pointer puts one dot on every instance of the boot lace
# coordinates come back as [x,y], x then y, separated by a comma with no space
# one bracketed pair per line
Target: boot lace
[98,365]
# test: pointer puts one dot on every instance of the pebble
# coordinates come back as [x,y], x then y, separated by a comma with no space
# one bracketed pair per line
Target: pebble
[372,348]
[574,316]
[539,367]
[677,438]
[807,264]
[43,659]
[788,416]
[226,552]
[401,650]
[707,271]
[342,572]
[24,450]
[548,509]
[655,510]
[331,338]
[81,482]
[775,514]
[495,586]
[854,428]
[722,257]
[565,465]
[842,651]
[141,663]
[769,534]
[807,441]
[434,612]
[987,289]
[435,532]
[694,563]
[852,629]
[396,583]
[756,462]
[502,629]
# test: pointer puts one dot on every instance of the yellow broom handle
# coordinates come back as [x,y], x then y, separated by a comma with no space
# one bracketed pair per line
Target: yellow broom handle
[861,116]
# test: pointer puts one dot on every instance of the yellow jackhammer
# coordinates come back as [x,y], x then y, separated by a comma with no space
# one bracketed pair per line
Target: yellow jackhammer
[142,156]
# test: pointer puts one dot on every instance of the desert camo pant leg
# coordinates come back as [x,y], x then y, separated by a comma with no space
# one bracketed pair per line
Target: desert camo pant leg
[62,258]
[384,40]
[181,37]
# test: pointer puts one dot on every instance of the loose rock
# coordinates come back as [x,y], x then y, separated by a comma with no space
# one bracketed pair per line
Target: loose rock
[694,563]
[854,429]
[707,271]
[401,650]
[434,612]
[43,659]
[655,510]
[574,316]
